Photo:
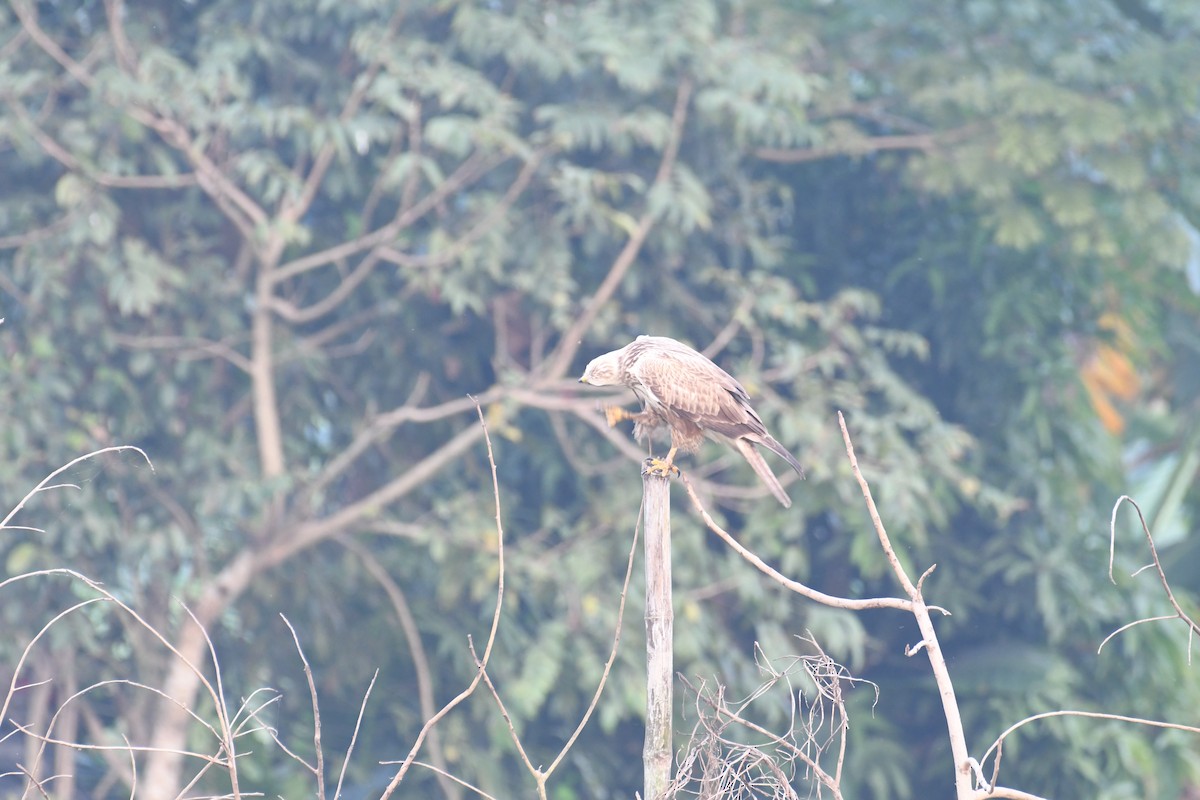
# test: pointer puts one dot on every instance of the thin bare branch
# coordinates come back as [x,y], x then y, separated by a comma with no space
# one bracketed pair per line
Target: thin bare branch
[482,226]
[217,693]
[612,655]
[558,361]
[113,747]
[34,781]
[1133,624]
[133,783]
[1150,723]
[318,770]
[540,775]
[885,542]
[362,708]
[472,169]
[455,778]
[44,484]
[783,580]
[1193,628]
[929,638]
[224,736]
[19,666]
[1004,793]
[747,758]
[308,534]
[412,635]
[537,774]
[186,348]
[406,764]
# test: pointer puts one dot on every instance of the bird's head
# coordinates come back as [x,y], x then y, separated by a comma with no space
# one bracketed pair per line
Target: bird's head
[603,370]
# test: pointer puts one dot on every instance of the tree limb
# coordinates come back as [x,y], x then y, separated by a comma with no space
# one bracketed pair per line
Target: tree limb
[472,169]
[558,361]
[784,581]
[922,142]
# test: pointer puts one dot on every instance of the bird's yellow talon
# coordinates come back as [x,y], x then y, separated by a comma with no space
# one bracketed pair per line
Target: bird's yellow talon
[660,467]
[615,415]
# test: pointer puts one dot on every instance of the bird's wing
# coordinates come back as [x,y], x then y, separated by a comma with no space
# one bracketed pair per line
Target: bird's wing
[689,384]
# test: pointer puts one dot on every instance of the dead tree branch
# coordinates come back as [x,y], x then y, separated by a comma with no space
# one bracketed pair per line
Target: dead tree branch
[407,763]
[1192,628]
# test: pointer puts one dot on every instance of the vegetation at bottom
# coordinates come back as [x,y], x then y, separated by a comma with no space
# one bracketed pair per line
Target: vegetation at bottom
[285,247]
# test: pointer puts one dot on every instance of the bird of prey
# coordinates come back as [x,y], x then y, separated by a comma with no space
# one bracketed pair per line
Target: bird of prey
[682,389]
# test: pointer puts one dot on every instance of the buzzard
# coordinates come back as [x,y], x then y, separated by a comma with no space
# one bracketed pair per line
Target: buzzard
[685,391]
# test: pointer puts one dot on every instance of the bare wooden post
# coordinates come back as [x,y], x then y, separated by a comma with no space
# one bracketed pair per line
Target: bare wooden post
[660,662]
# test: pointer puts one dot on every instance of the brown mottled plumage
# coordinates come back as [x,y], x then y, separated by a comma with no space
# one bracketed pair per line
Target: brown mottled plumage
[685,391]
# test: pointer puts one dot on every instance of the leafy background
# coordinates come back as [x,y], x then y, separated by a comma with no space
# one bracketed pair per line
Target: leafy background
[278,246]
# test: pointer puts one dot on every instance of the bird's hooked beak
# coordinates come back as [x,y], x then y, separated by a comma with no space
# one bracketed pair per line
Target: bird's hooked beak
[583,379]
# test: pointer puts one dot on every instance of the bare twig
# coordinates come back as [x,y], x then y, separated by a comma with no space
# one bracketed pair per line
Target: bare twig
[13,688]
[1151,723]
[731,763]
[133,782]
[783,580]
[337,793]
[537,774]
[319,769]
[114,747]
[408,624]
[44,486]
[406,764]
[558,361]
[929,639]
[608,664]
[441,772]
[540,775]
[216,692]
[225,736]
[1180,614]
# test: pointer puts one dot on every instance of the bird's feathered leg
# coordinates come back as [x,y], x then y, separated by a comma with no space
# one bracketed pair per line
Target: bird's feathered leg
[653,466]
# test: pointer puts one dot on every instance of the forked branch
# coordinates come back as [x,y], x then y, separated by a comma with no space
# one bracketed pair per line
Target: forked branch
[1180,614]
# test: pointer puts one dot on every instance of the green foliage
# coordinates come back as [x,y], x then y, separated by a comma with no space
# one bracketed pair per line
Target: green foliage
[916,217]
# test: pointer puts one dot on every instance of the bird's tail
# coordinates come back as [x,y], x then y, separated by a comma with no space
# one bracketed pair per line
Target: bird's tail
[763,471]
[781,451]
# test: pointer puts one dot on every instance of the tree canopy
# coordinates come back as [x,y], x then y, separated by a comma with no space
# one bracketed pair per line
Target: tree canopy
[287,248]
